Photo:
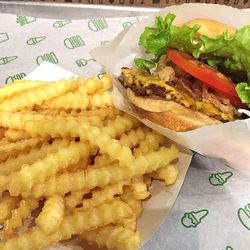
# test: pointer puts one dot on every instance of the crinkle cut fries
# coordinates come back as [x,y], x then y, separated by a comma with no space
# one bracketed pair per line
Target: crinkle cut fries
[84,166]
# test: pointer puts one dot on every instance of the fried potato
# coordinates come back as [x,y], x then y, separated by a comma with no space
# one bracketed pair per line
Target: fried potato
[151,142]
[105,194]
[20,86]
[18,215]
[76,128]
[100,100]
[135,204]
[52,212]
[74,199]
[99,177]
[37,96]
[15,135]
[14,163]
[13,149]
[133,137]
[73,224]
[139,189]
[94,85]
[31,174]
[7,204]
[168,174]
[2,131]
[18,119]
[114,237]
[69,101]
[82,165]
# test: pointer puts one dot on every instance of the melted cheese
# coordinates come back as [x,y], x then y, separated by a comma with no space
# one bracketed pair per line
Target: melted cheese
[134,76]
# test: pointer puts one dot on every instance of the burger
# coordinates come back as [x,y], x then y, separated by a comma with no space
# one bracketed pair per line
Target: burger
[198,73]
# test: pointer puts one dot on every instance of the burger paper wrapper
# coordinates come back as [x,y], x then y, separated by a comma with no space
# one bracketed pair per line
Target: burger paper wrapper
[156,208]
[229,142]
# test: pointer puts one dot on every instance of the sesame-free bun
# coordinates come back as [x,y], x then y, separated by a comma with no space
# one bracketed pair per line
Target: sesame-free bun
[211,28]
[169,114]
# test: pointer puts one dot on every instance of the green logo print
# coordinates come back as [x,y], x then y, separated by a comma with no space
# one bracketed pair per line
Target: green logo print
[73,42]
[100,75]
[83,62]
[4,37]
[193,218]
[35,40]
[49,57]
[128,24]
[229,248]
[7,59]
[97,24]
[104,42]
[244,216]
[23,20]
[12,78]
[219,179]
[61,23]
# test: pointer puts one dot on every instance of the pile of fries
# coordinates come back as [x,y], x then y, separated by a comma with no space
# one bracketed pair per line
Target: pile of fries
[72,164]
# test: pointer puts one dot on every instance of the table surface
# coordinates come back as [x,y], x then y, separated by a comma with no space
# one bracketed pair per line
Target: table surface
[171,233]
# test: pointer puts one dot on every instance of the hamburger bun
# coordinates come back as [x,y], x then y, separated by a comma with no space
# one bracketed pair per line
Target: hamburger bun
[169,114]
[211,28]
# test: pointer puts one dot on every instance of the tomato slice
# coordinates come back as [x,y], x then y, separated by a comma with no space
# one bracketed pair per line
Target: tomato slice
[210,76]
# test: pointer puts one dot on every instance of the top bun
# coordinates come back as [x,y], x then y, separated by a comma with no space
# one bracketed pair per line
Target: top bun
[211,28]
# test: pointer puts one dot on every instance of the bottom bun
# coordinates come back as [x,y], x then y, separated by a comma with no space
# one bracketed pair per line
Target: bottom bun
[172,116]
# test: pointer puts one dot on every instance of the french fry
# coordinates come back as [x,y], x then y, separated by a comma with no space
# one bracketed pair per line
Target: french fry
[17,120]
[104,113]
[11,149]
[152,142]
[147,180]
[135,204]
[113,237]
[82,164]
[168,174]
[100,100]
[4,141]
[10,90]
[133,138]
[102,176]
[7,204]
[64,142]
[105,194]
[18,215]
[94,85]
[129,223]
[139,189]
[76,223]
[14,163]
[74,199]
[53,211]
[39,171]
[107,82]
[15,135]
[70,101]
[3,183]
[120,125]
[37,96]
[103,160]
[2,131]
[76,128]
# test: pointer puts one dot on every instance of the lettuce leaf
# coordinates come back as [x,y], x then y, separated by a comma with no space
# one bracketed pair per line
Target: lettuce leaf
[243,90]
[231,55]
[157,39]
